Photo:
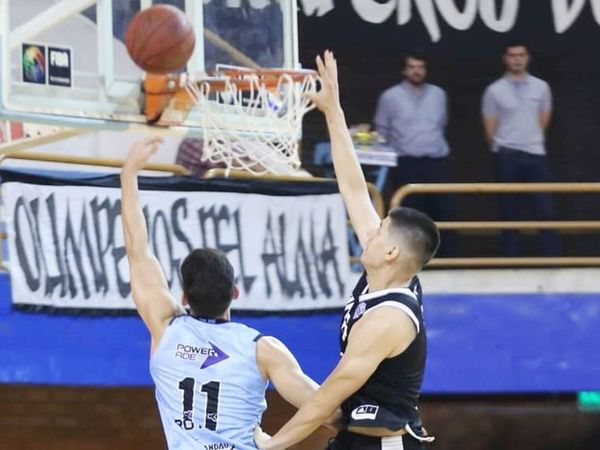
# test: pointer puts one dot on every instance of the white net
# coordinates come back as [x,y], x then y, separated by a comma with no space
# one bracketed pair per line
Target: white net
[252,123]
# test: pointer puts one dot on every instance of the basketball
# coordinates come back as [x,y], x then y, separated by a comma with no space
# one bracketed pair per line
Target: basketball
[160,39]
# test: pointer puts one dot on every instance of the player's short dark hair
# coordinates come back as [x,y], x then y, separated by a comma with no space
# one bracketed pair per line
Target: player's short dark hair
[421,233]
[516,42]
[207,281]
[415,53]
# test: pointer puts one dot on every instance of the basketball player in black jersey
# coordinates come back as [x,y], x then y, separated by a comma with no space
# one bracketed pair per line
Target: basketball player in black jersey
[382,335]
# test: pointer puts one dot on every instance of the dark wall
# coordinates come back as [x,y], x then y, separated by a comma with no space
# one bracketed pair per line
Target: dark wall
[84,418]
[463,63]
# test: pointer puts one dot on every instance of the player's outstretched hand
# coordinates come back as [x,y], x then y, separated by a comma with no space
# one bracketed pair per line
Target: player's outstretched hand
[328,97]
[260,437]
[141,152]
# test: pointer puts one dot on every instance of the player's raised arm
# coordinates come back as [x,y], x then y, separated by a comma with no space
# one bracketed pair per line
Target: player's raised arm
[149,287]
[351,180]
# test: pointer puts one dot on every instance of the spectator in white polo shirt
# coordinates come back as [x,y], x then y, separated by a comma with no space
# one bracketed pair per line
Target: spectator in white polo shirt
[516,112]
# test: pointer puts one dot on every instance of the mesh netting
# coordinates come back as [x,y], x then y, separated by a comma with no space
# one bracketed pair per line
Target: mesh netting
[253,123]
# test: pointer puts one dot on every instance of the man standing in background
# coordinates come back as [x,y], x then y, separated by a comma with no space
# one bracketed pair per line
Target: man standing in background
[516,112]
[411,116]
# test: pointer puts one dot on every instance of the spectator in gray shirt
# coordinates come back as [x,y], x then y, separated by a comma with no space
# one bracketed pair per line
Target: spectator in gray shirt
[411,116]
[516,112]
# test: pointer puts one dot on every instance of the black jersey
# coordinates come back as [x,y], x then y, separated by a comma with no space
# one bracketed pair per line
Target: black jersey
[389,397]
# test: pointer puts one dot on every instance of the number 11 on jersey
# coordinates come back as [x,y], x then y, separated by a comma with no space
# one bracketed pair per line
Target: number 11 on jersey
[211,389]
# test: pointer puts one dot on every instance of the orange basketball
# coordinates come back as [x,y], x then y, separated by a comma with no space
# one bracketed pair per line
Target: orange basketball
[160,39]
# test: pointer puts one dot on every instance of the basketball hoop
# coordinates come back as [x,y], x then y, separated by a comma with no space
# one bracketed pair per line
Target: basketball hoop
[250,119]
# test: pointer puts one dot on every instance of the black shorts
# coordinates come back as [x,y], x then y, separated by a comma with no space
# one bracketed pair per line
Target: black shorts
[345,440]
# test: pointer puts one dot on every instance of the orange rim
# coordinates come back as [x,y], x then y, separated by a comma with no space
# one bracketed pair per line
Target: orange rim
[268,73]
[270,78]
[218,84]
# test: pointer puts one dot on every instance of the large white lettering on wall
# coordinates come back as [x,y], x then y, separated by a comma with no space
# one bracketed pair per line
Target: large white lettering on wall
[317,7]
[497,15]
[566,12]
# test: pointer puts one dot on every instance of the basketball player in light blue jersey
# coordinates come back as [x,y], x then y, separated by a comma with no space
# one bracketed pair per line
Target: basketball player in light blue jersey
[210,374]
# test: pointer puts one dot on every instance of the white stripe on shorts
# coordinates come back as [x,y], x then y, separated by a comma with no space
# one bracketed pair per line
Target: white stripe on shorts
[392,443]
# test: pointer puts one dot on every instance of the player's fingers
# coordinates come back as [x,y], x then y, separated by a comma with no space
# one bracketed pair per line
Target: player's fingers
[331,63]
[327,57]
[323,70]
[148,144]
[148,140]
[156,140]
[330,58]
[320,66]
[310,96]
[153,144]
[314,97]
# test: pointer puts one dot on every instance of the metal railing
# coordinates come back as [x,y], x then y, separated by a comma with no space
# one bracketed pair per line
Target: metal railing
[397,199]
[90,161]
[505,188]
[44,138]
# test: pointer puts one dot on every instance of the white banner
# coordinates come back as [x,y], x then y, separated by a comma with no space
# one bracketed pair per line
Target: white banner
[66,245]
[497,15]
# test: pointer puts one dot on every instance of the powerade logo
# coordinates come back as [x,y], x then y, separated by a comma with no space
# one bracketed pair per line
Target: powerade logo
[212,355]
[34,63]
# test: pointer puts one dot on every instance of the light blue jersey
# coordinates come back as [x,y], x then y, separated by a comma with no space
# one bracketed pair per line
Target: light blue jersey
[209,390]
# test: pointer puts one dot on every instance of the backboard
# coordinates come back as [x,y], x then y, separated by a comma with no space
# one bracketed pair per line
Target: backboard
[63,62]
